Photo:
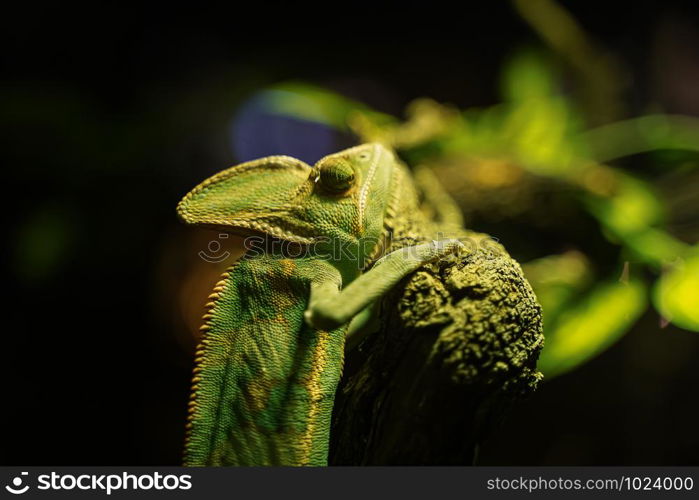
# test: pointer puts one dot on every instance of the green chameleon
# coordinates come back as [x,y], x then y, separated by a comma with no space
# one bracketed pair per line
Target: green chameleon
[275,330]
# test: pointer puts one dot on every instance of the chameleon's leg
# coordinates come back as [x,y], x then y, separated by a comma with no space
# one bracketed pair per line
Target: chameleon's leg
[329,307]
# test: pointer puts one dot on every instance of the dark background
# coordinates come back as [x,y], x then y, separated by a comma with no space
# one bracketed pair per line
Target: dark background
[109,116]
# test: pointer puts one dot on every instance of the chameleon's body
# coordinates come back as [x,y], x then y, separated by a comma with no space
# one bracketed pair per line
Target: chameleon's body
[274,335]
[265,380]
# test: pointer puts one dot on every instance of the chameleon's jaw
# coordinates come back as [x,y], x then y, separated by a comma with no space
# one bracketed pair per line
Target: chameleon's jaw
[254,197]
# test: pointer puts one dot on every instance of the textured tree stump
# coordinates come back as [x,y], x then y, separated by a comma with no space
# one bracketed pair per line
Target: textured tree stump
[458,345]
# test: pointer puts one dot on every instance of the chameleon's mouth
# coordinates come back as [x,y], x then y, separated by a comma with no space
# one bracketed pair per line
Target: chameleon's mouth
[255,197]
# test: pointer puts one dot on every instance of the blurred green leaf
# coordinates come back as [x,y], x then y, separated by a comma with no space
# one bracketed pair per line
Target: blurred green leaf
[629,215]
[556,280]
[631,208]
[592,326]
[676,294]
[643,134]
[655,246]
[538,131]
[316,104]
[527,75]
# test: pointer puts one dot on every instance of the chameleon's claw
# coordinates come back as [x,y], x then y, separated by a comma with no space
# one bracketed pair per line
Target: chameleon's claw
[442,248]
[447,245]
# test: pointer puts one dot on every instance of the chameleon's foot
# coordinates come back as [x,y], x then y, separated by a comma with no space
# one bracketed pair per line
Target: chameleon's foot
[426,252]
[446,247]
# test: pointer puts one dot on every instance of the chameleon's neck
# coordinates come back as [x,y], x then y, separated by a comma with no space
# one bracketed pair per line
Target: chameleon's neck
[401,223]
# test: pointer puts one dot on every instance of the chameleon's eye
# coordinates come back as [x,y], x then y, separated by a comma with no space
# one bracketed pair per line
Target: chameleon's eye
[336,176]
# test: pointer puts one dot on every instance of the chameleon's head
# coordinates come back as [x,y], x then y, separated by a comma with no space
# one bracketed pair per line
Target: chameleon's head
[341,199]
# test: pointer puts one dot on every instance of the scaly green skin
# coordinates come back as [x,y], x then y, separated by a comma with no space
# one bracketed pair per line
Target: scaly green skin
[265,380]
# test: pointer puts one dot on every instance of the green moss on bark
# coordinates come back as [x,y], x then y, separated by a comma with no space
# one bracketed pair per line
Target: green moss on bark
[458,345]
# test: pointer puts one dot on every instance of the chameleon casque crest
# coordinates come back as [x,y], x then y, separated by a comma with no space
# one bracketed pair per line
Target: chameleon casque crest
[274,334]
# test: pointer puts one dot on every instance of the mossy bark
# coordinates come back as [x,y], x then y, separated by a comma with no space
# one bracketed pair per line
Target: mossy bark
[457,346]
